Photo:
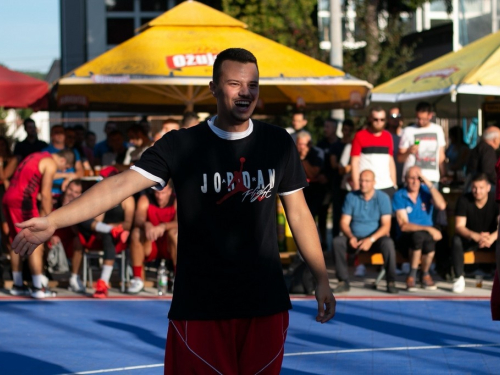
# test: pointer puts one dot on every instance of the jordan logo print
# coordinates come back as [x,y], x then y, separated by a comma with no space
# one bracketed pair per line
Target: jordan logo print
[237,180]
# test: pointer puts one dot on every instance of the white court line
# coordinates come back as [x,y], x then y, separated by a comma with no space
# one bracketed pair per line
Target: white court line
[397,348]
[345,351]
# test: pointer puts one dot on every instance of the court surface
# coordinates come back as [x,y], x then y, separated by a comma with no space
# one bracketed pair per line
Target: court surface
[367,336]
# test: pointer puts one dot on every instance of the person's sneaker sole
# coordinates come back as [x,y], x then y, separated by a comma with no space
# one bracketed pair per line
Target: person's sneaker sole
[432,287]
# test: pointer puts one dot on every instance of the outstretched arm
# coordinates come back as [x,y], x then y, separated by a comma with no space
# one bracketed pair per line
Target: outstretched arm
[100,198]
[306,236]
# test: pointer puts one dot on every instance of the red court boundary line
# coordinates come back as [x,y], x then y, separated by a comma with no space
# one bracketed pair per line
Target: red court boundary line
[293,298]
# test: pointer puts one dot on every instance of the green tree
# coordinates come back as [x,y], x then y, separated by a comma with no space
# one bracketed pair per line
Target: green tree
[383,57]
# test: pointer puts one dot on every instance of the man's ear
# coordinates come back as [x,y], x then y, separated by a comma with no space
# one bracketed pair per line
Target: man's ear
[212,87]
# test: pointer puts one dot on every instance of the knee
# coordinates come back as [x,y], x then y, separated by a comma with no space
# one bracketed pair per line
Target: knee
[135,235]
[386,243]
[456,242]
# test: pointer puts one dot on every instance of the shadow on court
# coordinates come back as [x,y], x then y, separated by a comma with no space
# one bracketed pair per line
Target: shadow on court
[19,364]
[142,334]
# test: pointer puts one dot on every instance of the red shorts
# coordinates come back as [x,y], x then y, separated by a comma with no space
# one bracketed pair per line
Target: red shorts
[17,215]
[159,248]
[229,347]
[67,236]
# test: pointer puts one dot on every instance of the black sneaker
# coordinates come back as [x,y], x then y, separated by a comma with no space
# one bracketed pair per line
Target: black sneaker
[20,290]
[342,287]
[391,288]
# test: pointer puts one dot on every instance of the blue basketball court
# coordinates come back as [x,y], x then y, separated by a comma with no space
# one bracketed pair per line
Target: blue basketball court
[367,336]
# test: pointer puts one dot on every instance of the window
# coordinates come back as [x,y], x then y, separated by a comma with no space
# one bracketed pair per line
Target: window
[119,30]
[119,5]
[154,5]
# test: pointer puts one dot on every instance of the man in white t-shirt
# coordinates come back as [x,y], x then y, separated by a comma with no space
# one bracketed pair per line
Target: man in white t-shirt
[423,144]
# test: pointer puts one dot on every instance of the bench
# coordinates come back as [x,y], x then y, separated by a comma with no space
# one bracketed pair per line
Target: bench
[473,257]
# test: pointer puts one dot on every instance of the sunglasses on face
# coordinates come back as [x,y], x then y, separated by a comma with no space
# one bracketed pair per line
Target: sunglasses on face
[378,119]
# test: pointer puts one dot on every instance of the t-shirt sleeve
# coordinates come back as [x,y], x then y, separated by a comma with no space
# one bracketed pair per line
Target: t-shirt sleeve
[440,137]
[356,145]
[390,143]
[294,176]
[348,206]
[406,139]
[153,163]
[397,202]
[385,204]
[461,206]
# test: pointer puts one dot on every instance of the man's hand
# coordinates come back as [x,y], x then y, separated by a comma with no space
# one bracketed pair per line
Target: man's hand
[436,235]
[34,232]
[476,237]
[486,240]
[365,244]
[326,302]
[413,149]
[353,241]
[153,232]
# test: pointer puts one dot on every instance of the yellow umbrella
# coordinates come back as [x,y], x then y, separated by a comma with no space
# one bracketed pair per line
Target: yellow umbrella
[168,65]
[471,71]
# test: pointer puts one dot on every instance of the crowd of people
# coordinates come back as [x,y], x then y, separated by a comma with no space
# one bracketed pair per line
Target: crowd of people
[382,183]
[36,178]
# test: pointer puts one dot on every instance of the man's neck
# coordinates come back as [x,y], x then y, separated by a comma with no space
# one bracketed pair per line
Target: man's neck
[375,132]
[331,139]
[59,146]
[480,203]
[368,195]
[231,126]
[31,138]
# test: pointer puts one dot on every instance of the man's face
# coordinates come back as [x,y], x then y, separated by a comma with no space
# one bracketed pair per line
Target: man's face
[329,129]
[116,142]
[110,126]
[480,189]
[163,196]
[90,140]
[72,192]
[394,119]
[303,145]
[366,182]
[169,126]
[57,135]
[346,132]
[412,181]
[236,92]
[135,139]
[69,138]
[377,120]
[298,121]
[423,119]
[30,129]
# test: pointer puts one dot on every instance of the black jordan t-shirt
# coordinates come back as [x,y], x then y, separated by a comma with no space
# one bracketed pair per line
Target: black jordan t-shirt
[228,261]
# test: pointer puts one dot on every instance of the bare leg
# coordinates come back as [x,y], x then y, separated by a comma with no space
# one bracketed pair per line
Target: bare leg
[427,261]
[140,248]
[172,245]
[35,261]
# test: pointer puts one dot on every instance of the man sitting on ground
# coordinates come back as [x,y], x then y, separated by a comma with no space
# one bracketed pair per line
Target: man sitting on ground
[365,224]
[155,232]
[414,207]
[476,224]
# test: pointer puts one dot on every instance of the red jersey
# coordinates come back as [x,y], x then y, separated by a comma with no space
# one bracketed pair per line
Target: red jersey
[25,185]
[157,215]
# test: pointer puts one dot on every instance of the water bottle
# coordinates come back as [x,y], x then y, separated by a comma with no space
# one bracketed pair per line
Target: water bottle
[162,279]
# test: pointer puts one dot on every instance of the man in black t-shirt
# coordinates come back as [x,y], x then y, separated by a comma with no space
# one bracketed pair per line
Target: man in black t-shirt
[227,173]
[31,144]
[476,223]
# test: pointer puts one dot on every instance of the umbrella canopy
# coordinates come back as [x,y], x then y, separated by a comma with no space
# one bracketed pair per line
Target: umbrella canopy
[471,72]
[167,67]
[17,90]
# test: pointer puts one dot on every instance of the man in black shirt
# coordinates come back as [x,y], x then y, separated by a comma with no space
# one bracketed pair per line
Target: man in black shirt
[31,144]
[227,172]
[476,222]
[483,157]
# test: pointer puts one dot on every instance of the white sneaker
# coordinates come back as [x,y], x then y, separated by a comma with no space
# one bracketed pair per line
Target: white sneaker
[45,281]
[42,293]
[459,285]
[136,285]
[360,271]
[76,285]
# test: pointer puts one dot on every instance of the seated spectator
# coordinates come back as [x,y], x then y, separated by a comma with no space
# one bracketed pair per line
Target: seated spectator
[476,225]
[189,120]
[414,206]
[80,144]
[31,143]
[117,154]
[33,177]
[457,154]
[169,125]
[72,171]
[155,232]
[69,238]
[8,165]
[70,143]
[139,139]
[90,139]
[365,224]
[103,147]
[482,158]
[112,228]
[312,160]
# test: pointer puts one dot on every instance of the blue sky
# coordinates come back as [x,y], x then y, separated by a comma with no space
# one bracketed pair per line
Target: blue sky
[29,34]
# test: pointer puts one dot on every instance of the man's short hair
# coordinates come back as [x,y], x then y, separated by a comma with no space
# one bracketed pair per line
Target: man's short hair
[332,120]
[232,54]
[303,134]
[56,126]
[188,117]
[68,155]
[376,108]
[138,129]
[28,120]
[76,182]
[480,177]
[348,122]
[423,107]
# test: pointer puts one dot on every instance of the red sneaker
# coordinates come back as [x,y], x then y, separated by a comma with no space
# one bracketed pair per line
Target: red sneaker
[116,231]
[101,289]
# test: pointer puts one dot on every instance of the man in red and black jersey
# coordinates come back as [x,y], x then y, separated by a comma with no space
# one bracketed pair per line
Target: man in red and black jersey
[227,173]
[33,175]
